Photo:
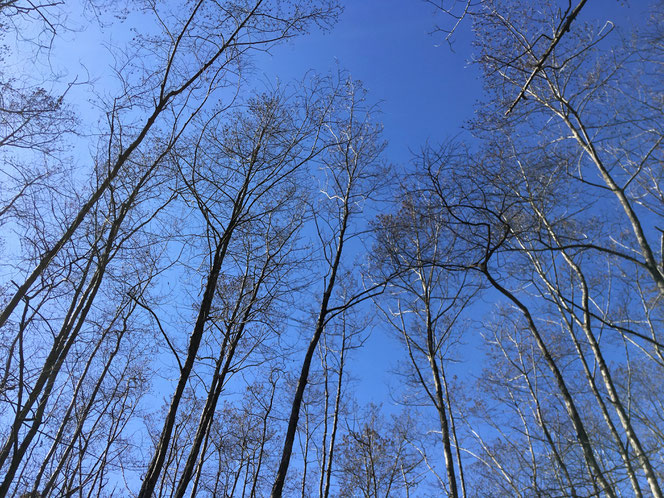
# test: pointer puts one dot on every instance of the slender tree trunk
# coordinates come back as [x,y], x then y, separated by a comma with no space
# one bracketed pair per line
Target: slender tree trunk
[43,386]
[155,467]
[306,364]
[585,142]
[547,432]
[442,416]
[624,418]
[335,420]
[305,453]
[76,316]
[462,480]
[326,396]
[625,421]
[261,453]
[207,415]
[79,425]
[582,436]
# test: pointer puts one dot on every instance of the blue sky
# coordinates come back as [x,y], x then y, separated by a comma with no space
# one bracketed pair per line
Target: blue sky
[427,91]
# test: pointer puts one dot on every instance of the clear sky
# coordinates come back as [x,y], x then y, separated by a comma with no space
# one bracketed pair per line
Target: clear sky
[427,90]
[426,87]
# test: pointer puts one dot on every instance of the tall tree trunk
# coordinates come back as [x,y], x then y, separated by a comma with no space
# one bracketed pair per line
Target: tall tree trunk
[582,436]
[280,479]
[157,462]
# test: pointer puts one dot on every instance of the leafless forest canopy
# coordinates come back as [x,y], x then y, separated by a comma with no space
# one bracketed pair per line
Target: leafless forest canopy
[192,262]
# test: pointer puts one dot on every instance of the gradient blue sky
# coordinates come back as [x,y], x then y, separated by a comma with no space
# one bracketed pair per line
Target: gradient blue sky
[427,90]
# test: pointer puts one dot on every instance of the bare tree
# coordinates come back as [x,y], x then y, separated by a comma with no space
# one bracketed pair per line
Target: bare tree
[342,335]
[350,176]
[108,240]
[557,208]
[424,303]
[377,456]
[240,180]
[198,52]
